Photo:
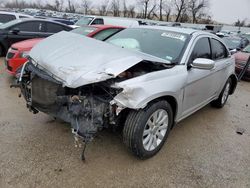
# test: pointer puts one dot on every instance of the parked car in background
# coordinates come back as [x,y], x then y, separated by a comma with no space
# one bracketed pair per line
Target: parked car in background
[17,53]
[9,16]
[246,35]
[228,33]
[212,28]
[103,20]
[241,60]
[64,21]
[23,29]
[145,78]
[235,42]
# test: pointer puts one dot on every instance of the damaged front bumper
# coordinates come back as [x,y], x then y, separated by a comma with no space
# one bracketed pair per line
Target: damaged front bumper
[88,108]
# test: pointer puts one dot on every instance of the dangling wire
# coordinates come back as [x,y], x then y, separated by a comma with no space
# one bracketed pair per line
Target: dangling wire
[83,151]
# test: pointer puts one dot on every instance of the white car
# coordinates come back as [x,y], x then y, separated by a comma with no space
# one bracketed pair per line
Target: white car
[146,79]
[9,16]
[105,20]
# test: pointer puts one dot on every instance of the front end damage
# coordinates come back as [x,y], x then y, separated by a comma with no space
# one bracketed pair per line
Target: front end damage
[68,82]
[88,108]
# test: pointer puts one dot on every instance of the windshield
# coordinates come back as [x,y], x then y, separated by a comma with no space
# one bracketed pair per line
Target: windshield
[9,24]
[232,43]
[84,30]
[164,44]
[247,49]
[84,21]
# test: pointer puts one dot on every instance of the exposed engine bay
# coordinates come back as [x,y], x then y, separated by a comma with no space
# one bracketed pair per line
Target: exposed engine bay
[87,108]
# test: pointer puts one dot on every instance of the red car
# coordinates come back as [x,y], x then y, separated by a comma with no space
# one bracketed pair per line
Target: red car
[240,62]
[17,52]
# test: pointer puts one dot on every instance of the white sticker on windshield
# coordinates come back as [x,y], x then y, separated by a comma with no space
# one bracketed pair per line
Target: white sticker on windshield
[169,58]
[174,36]
[89,30]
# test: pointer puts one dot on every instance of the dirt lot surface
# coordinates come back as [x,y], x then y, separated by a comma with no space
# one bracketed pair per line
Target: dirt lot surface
[204,150]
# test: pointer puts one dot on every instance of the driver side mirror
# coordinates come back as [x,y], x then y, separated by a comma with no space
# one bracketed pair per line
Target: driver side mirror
[15,31]
[202,63]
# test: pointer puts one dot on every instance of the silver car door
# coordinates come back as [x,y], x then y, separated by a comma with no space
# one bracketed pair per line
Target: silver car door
[200,83]
[222,60]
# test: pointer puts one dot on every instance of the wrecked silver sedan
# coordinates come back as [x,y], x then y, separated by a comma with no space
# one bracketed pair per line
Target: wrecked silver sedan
[144,79]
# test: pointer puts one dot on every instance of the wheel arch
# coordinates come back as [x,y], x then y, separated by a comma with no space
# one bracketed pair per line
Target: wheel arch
[173,103]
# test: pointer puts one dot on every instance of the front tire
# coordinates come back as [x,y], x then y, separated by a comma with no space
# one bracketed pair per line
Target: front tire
[146,130]
[221,101]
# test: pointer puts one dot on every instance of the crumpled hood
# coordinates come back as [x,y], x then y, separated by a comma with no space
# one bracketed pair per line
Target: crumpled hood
[79,60]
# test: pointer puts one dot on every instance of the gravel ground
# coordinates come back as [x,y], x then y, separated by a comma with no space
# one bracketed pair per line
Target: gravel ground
[203,150]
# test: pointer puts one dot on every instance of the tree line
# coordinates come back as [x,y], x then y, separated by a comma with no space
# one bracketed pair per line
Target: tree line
[241,23]
[195,11]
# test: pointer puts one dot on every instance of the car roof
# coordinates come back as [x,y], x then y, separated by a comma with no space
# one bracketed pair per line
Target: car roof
[44,20]
[50,18]
[233,37]
[23,20]
[105,26]
[187,31]
[108,18]
[14,13]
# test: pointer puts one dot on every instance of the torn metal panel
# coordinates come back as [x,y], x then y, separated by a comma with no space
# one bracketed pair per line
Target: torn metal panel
[80,60]
[137,92]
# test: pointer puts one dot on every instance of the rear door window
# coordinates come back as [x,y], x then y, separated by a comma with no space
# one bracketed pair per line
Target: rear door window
[24,17]
[219,51]
[54,28]
[4,18]
[30,26]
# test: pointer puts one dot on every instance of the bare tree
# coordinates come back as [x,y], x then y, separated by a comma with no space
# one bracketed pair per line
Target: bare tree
[131,11]
[167,10]
[87,5]
[71,7]
[125,9]
[147,7]
[197,8]
[58,5]
[152,12]
[181,7]
[206,20]
[144,4]
[103,8]
[164,9]
[16,4]
[240,23]
[2,3]
[21,4]
[115,7]
[161,10]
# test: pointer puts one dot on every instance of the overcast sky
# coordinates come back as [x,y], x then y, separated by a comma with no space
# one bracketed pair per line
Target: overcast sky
[228,11]
[225,11]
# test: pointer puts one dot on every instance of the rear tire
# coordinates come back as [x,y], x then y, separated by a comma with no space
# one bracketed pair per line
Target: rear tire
[146,130]
[221,101]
